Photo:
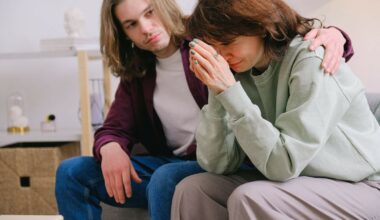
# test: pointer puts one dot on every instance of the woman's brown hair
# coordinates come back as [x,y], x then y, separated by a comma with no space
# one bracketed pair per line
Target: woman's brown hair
[125,60]
[274,20]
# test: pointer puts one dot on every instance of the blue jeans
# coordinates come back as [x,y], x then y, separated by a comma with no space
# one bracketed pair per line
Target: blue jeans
[80,186]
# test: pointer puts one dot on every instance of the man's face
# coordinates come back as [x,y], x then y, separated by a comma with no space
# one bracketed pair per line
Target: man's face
[143,26]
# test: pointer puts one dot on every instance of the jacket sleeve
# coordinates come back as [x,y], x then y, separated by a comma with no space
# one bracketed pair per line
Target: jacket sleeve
[217,150]
[348,48]
[119,125]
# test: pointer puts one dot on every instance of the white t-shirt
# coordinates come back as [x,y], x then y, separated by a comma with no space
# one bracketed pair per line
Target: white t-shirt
[174,104]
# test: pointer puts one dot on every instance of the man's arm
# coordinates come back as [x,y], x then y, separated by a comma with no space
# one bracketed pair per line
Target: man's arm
[119,125]
[113,142]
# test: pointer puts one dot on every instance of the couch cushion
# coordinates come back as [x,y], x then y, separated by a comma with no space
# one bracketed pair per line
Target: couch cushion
[374,104]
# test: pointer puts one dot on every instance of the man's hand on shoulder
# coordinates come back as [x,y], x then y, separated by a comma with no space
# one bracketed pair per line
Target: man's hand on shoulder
[333,41]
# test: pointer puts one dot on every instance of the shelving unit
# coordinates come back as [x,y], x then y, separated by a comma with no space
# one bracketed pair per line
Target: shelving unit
[37,136]
[86,134]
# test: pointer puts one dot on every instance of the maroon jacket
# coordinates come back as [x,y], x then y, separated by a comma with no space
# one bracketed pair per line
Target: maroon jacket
[132,118]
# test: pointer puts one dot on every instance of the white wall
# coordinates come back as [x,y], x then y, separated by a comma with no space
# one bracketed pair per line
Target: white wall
[360,19]
[187,5]
[48,85]
[51,85]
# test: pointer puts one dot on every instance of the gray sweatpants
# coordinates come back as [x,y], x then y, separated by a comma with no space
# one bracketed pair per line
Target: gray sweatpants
[247,196]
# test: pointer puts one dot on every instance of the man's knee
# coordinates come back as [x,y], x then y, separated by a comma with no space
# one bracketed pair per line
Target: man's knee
[171,173]
[162,180]
[164,173]
[73,167]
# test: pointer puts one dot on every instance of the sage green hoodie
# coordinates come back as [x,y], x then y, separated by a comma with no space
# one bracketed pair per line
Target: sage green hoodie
[292,120]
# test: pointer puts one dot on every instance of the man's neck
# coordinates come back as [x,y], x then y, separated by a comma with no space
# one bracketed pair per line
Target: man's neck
[167,52]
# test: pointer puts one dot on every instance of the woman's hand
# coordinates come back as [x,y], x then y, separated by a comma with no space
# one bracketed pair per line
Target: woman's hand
[333,41]
[210,67]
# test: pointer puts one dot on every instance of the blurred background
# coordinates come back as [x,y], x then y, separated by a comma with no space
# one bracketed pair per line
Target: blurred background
[51,85]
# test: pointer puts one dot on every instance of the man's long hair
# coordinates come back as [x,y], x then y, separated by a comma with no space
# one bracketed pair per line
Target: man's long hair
[125,60]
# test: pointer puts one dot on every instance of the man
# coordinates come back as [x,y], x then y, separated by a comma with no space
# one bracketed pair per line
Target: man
[157,104]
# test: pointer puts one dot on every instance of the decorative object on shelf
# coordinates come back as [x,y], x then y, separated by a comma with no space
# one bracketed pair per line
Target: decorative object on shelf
[48,125]
[74,23]
[96,103]
[17,121]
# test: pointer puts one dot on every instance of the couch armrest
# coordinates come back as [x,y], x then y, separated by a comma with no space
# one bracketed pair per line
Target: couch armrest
[374,104]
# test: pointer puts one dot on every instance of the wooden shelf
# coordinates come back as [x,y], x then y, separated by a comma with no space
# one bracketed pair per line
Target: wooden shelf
[92,54]
[38,136]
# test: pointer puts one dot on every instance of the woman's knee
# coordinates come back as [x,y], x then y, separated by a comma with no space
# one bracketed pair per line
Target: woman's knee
[197,184]
[200,196]
[252,191]
[191,183]
[254,198]
[189,189]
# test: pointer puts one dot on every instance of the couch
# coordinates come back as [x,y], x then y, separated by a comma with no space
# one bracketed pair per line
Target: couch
[112,213]
[374,104]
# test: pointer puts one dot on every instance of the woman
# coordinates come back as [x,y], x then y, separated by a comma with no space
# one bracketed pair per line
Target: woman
[311,137]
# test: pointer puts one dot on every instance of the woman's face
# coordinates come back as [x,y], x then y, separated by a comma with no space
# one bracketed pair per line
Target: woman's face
[244,53]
